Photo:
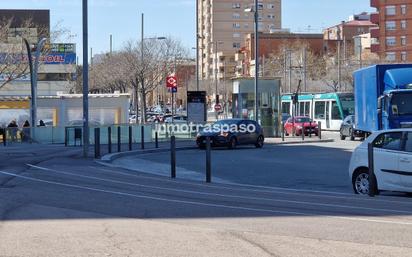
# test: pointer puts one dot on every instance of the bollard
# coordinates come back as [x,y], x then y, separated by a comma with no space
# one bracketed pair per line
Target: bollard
[208,161]
[320,130]
[372,178]
[157,139]
[173,156]
[4,137]
[130,138]
[303,133]
[96,143]
[109,138]
[283,131]
[119,139]
[65,136]
[142,137]
[310,128]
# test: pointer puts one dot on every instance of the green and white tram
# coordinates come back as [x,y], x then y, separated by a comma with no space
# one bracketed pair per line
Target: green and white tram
[328,108]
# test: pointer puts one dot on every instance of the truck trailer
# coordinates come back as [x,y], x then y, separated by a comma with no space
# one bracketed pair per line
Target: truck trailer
[383,97]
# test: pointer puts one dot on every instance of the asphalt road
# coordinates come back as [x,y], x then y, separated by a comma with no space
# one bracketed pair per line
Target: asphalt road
[68,206]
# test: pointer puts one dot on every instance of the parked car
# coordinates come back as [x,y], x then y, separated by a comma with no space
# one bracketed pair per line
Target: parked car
[220,136]
[347,129]
[176,119]
[392,151]
[299,125]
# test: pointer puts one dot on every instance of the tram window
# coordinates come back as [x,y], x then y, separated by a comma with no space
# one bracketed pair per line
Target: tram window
[335,111]
[286,107]
[307,109]
[320,110]
[301,108]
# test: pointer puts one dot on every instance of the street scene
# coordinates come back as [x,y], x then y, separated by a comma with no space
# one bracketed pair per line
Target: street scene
[205,128]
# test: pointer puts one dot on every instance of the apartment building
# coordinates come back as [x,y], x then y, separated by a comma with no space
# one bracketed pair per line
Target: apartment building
[393,38]
[223,26]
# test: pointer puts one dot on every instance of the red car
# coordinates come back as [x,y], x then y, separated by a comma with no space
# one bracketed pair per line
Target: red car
[299,124]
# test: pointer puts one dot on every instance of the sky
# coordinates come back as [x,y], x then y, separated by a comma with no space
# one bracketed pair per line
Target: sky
[176,18]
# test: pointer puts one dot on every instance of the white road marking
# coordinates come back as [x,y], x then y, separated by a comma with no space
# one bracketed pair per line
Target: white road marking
[290,191]
[391,211]
[203,204]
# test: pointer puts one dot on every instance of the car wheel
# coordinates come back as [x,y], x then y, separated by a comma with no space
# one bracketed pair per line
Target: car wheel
[260,141]
[352,137]
[342,137]
[360,182]
[232,143]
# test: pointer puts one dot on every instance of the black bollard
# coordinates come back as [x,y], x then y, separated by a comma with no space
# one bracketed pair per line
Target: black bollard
[130,138]
[96,143]
[372,177]
[4,137]
[283,131]
[303,133]
[173,156]
[142,137]
[157,139]
[208,161]
[109,139]
[320,130]
[65,136]
[119,139]
[310,128]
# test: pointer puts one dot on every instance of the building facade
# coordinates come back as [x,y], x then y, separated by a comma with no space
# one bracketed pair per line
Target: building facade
[57,64]
[223,26]
[393,38]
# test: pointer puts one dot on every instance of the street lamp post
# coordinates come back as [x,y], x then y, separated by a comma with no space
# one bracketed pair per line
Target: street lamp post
[197,45]
[85,81]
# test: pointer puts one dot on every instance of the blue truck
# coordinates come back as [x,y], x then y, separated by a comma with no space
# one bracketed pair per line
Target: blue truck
[383,97]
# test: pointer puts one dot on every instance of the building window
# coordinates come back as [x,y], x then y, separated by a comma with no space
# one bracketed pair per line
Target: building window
[271,6]
[390,41]
[403,40]
[391,56]
[236,45]
[360,30]
[236,25]
[403,24]
[236,15]
[260,18]
[390,25]
[236,35]
[246,25]
[390,10]
[271,16]
[404,56]
[236,6]
[403,9]
[260,6]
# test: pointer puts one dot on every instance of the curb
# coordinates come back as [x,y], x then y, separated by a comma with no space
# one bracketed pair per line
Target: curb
[304,142]
[113,156]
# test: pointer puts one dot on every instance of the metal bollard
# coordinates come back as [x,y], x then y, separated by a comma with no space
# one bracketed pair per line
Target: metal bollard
[208,161]
[303,133]
[109,139]
[173,156]
[96,143]
[142,137]
[130,138]
[157,139]
[4,137]
[119,139]
[283,131]
[310,128]
[320,130]
[371,165]
[65,136]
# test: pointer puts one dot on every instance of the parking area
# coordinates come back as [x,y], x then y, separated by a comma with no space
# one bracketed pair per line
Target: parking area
[312,166]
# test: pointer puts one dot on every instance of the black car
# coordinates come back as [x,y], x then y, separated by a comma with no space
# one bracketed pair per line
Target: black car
[347,129]
[231,133]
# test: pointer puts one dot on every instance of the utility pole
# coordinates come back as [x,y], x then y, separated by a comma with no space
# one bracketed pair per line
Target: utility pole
[197,45]
[256,60]
[137,91]
[305,69]
[216,69]
[85,81]
[339,64]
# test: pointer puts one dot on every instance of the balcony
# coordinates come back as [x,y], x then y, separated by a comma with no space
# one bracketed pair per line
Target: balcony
[375,32]
[375,48]
[375,18]
[375,3]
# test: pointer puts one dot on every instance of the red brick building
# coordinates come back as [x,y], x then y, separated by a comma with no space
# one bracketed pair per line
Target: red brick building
[272,43]
[393,37]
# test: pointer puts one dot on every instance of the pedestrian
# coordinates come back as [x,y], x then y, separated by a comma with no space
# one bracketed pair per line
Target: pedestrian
[13,128]
[41,123]
[26,131]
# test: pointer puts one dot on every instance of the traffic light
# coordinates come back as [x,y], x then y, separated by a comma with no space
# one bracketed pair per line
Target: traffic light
[295,98]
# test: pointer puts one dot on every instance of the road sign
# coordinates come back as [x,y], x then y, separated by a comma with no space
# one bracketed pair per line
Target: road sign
[218,107]
[172,89]
[171,81]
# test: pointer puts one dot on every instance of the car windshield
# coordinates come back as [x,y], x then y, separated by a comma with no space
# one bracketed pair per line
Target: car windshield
[348,104]
[402,103]
[303,119]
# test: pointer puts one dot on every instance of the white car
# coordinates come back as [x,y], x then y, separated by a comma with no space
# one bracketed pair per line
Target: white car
[392,160]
